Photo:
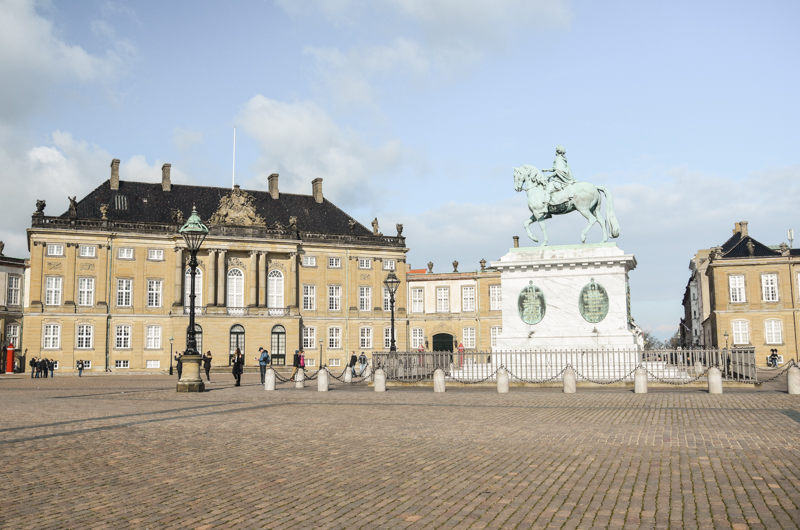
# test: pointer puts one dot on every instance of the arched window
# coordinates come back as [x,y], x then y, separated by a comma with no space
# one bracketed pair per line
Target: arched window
[198,336]
[275,289]
[237,338]
[198,291]
[235,292]
[278,340]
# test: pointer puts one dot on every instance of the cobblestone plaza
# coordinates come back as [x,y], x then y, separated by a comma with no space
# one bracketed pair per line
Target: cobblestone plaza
[130,452]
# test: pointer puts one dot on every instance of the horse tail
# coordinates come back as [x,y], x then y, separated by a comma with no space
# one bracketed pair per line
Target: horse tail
[611,219]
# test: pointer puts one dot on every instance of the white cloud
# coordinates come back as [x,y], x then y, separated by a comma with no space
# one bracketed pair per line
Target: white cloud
[137,169]
[185,139]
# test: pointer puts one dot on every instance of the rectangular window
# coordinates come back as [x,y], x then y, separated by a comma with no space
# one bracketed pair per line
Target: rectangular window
[334,298]
[52,295]
[389,264]
[152,364]
[387,306]
[55,365]
[122,364]
[469,337]
[87,364]
[772,331]
[52,336]
[88,251]
[311,362]
[155,254]
[12,335]
[123,340]
[387,338]
[13,290]
[417,305]
[334,263]
[769,287]
[496,331]
[365,263]
[85,291]
[309,297]
[364,298]
[736,284]
[417,338]
[334,338]
[309,261]
[442,299]
[495,298]
[309,338]
[124,288]
[467,298]
[365,335]
[154,293]
[125,253]
[741,335]
[55,250]
[335,362]
[85,333]
[153,338]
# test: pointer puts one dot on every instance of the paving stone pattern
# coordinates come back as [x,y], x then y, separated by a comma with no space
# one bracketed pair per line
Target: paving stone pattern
[130,452]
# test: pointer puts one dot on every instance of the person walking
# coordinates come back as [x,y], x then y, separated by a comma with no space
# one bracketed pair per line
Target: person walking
[238,367]
[362,361]
[32,364]
[263,360]
[352,363]
[178,364]
[207,364]
[295,363]
[80,368]
[302,360]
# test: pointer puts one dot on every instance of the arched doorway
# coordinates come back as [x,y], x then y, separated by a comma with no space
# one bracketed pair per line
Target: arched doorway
[279,345]
[443,342]
[198,337]
[237,341]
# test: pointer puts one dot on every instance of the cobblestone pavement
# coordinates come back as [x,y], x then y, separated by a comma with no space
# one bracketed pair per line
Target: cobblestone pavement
[130,452]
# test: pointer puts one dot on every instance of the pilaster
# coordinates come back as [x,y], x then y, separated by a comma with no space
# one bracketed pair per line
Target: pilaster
[211,278]
[222,276]
[262,278]
[178,293]
[251,279]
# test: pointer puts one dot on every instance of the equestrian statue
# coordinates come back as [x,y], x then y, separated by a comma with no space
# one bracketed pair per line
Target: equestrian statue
[560,193]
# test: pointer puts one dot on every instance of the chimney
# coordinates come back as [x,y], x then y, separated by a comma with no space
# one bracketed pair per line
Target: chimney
[316,190]
[115,174]
[273,186]
[741,226]
[166,184]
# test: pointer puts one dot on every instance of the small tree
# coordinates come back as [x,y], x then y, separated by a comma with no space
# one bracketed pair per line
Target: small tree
[674,341]
[651,342]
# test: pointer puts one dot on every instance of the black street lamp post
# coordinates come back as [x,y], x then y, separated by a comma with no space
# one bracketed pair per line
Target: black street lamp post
[194,233]
[392,282]
[170,354]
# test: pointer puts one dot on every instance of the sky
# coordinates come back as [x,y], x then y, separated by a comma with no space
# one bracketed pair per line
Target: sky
[416,111]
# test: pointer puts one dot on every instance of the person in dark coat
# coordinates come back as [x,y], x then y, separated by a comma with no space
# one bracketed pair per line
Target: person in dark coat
[179,364]
[43,367]
[352,363]
[295,363]
[32,364]
[51,365]
[238,367]
[207,364]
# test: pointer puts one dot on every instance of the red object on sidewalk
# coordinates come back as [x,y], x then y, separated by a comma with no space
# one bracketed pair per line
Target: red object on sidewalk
[10,359]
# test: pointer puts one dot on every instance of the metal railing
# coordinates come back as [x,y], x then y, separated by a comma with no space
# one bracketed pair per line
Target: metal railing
[598,366]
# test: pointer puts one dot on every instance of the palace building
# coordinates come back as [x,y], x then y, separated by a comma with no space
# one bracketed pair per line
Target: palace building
[13,273]
[109,279]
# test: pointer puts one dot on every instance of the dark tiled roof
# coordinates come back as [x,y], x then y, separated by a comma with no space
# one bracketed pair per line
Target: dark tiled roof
[736,247]
[149,203]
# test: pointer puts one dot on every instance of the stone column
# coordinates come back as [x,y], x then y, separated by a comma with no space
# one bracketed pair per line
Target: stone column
[222,276]
[380,380]
[269,383]
[640,381]
[211,280]
[251,279]
[714,381]
[178,300]
[570,381]
[502,381]
[262,279]
[438,381]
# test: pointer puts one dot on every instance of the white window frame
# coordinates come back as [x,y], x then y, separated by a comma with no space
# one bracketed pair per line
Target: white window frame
[389,264]
[155,289]
[365,263]
[769,287]
[496,331]
[122,337]
[125,253]
[468,335]
[334,362]
[55,250]
[334,263]
[12,334]
[495,298]
[86,364]
[309,337]
[467,298]
[84,337]
[85,292]
[13,291]
[387,302]
[153,363]
[387,338]
[334,338]
[418,300]
[309,297]
[742,334]
[442,299]
[275,289]
[417,338]
[153,338]
[51,337]
[365,337]
[736,288]
[122,363]
[124,292]
[309,261]
[52,295]
[235,284]
[334,298]
[364,298]
[773,331]
[198,290]
[155,254]
[87,251]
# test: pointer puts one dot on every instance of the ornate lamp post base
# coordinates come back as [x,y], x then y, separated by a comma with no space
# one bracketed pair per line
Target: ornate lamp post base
[190,377]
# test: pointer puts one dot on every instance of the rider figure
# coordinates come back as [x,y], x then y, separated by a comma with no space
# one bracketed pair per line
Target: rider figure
[562,174]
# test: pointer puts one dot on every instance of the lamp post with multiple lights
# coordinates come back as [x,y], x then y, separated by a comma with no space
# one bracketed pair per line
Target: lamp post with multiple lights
[392,282]
[194,233]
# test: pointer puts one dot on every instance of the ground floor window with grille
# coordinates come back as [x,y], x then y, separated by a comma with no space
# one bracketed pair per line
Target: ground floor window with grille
[772,331]
[417,338]
[496,331]
[122,364]
[741,333]
[334,362]
[123,337]
[86,364]
[365,335]
[309,338]
[153,363]
[469,337]
[310,362]
[334,338]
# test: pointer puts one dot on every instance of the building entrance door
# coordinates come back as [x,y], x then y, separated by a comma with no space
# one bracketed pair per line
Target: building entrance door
[237,341]
[443,342]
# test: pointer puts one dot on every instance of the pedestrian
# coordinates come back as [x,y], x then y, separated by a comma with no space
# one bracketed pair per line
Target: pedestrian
[238,367]
[207,364]
[263,360]
[772,360]
[80,368]
[302,359]
[295,363]
[179,364]
[43,367]
[352,363]
[51,365]
[32,364]
[362,361]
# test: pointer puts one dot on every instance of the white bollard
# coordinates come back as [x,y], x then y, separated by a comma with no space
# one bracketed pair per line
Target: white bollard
[640,381]
[698,368]
[322,380]
[300,379]
[380,380]
[348,375]
[794,380]
[502,381]
[570,381]
[269,382]
[714,381]
[438,380]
